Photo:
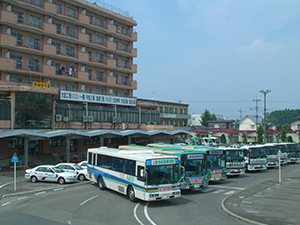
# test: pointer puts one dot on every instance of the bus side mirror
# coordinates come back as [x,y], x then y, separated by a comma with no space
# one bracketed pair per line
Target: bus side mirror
[143,174]
[183,171]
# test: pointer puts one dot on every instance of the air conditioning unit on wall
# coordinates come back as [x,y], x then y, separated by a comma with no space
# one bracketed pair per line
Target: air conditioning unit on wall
[91,119]
[84,119]
[66,119]
[58,117]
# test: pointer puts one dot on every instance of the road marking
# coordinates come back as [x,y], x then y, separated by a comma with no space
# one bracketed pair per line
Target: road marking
[252,212]
[40,193]
[229,192]
[207,190]
[246,202]
[258,196]
[235,188]
[241,197]
[134,213]
[1,186]
[218,191]
[146,214]
[82,203]
[4,204]
[22,198]
[58,189]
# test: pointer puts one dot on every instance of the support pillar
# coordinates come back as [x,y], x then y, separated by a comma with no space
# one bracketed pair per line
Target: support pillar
[101,141]
[68,149]
[129,140]
[26,153]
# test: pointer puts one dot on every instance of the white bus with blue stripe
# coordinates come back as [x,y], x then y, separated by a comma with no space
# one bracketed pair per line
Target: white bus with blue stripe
[139,174]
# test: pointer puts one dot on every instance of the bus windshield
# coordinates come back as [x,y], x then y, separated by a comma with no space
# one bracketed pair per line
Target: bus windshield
[293,148]
[282,148]
[194,167]
[216,161]
[163,174]
[271,150]
[234,155]
[257,152]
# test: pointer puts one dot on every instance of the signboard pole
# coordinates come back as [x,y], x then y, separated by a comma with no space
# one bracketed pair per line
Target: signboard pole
[279,153]
[14,160]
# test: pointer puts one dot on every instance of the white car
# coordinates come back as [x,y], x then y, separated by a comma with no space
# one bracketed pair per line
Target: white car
[83,164]
[49,173]
[73,167]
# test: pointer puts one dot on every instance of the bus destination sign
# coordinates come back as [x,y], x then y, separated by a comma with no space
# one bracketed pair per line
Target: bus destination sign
[196,156]
[216,152]
[156,162]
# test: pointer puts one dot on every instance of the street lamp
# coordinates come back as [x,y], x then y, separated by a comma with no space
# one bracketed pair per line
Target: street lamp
[265,109]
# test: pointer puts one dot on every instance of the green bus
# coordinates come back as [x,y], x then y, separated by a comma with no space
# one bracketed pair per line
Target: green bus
[194,174]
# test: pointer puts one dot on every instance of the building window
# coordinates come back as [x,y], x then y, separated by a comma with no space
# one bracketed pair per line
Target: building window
[70,51]
[18,61]
[90,36]
[4,109]
[35,21]
[58,27]
[99,40]
[14,79]
[124,80]
[176,123]
[124,30]
[91,18]
[55,85]
[58,47]
[99,75]
[181,123]
[34,64]
[89,71]
[185,111]
[90,54]
[20,16]
[124,63]
[57,142]
[116,76]
[70,31]
[100,22]
[171,110]
[99,91]
[115,93]
[176,110]
[117,45]
[166,110]
[19,38]
[70,70]
[124,47]
[180,110]
[69,87]
[161,109]
[58,6]
[252,127]
[57,68]
[99,57]
[88,89]
[124,94]
[92,141]
[34,43]
[71,12]
[76,112]
[171,122]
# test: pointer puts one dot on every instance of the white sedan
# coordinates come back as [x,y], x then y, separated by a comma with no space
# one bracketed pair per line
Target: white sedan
[73,167]
[49,173]
[83,164]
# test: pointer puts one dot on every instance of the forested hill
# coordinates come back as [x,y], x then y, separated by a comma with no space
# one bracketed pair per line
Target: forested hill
[283,117]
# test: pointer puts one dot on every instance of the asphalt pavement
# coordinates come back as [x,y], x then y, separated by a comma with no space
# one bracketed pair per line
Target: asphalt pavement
[268,202]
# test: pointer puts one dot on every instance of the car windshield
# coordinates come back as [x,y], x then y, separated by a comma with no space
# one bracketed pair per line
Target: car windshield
[163,174]
[76,167]
[57,169]
[257,152]
[216,161]
[234,155]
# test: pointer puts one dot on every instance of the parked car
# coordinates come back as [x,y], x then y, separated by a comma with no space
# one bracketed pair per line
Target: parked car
[49,173]
[73,167]
[83,164]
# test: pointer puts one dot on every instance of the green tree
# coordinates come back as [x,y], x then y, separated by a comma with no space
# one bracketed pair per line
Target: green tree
[290,139]
[283,136]
[223,139]
[260,132]
[213,117]
[206,116]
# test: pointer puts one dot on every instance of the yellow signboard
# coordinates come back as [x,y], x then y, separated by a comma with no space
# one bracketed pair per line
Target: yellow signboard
[41,84]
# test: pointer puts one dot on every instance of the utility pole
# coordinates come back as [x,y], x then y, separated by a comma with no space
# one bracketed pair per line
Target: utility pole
[256,116]
[240,113]
[265,110]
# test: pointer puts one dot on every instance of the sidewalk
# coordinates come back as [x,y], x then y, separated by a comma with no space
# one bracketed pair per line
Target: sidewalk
[266,203]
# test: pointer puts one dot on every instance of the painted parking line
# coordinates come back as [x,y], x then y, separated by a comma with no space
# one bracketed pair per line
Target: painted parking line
[82,203]
[40,193]
[4,204]
[229,192]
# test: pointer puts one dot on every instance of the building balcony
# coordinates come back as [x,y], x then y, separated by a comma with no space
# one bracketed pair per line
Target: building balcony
[8,40]
[83,57]
[84,19]
[49,70]
[7,64]
[33,3]
[84,38]
[134,68]
[111,63]
[134,52]
[111,28]
[50,28]
[134,36]
[8,17]
[49,49]
[111,46]
[50,7]
[83,76]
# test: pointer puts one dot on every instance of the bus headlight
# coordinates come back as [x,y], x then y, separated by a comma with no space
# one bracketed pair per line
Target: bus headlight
[176,193]
[153,195]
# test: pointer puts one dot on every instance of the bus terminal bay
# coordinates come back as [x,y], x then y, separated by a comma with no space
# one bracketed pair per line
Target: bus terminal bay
[165,172]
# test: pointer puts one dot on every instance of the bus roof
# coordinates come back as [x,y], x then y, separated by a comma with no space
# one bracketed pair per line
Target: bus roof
[134,154]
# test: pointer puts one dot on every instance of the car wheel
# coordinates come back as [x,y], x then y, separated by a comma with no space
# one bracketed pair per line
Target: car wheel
[100,183]
[81,177]
[33,179]
[131,194]
[61,180]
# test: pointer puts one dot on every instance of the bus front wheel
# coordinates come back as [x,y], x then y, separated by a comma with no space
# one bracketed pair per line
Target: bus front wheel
[100,183]
[131,194]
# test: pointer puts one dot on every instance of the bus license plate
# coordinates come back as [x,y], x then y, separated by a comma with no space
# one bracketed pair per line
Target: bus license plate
[165,196]
[196,185]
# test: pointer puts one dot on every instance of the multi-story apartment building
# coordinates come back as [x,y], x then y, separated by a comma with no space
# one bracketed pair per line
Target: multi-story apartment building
[171,113]
[66,64]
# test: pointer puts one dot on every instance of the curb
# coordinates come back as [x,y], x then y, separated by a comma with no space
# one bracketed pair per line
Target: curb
[237,216]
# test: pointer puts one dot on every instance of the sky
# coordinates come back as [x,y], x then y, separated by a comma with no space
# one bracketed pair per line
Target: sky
[217,54]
